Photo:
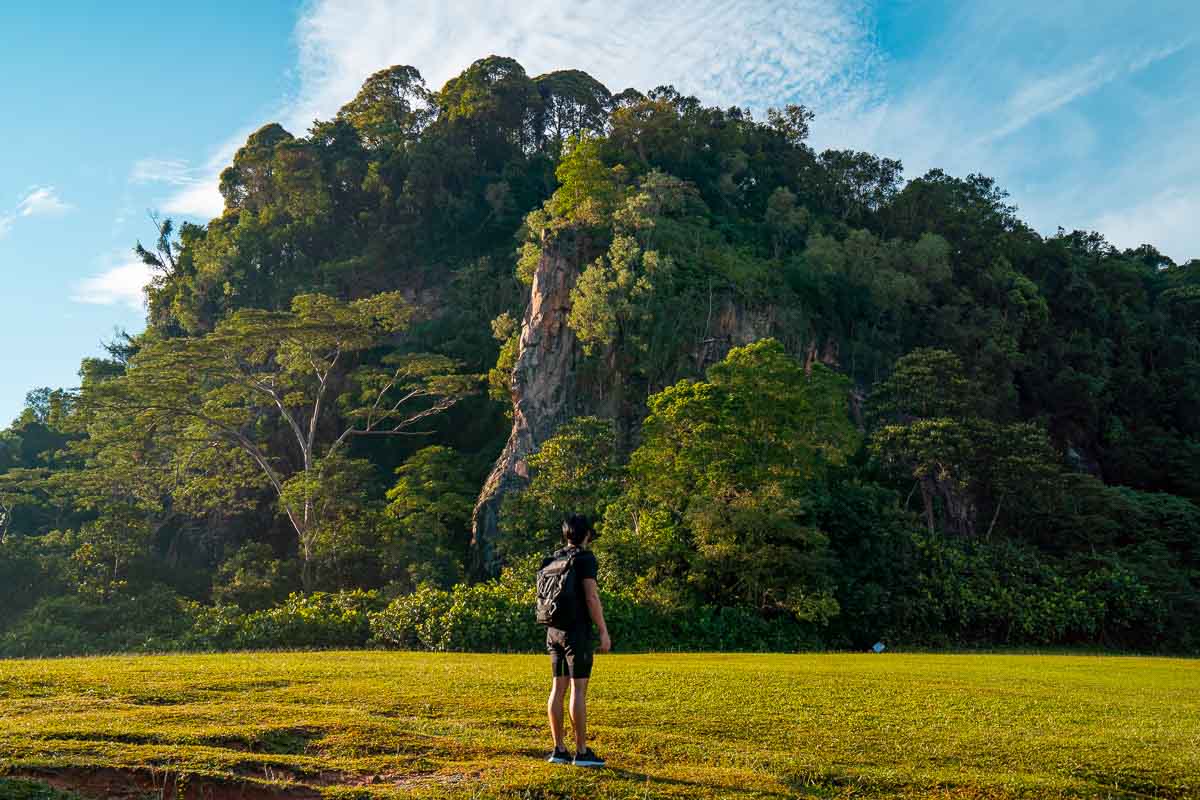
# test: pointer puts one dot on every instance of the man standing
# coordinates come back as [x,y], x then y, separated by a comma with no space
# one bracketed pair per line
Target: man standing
[571,647]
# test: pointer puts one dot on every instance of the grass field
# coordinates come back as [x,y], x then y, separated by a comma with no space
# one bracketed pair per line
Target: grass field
[373,724]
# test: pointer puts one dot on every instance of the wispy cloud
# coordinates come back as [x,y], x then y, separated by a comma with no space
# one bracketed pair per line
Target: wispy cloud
[194,188]
[1045,94]
[200,199]
[42,200]
[1085,124]
[1166,220]
[196,193]
[37,201]
[748,52]
[992,88]
[176,172]
[123,284]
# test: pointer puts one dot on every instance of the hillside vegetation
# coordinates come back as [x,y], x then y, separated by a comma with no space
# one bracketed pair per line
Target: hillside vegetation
[809,402]
[673,725]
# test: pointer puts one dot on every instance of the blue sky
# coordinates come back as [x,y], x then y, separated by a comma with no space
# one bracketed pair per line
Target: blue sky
[1084,111]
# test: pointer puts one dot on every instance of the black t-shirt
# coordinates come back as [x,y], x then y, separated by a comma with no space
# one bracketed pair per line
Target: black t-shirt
[586,566]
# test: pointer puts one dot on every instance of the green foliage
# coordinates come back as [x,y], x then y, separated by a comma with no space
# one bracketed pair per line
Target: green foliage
[265,383]
[24,578]
[492,107]
[791,122]
[627,302]
[960,461]
[787,221]
[320,619]
[924,383]
[614,294]
[496,616]
[429,517]
[586,187]
[531,255]
[507,331]
[576,471]
[720,488]
[976,593]
[253,578]
[1035,399]
[29,790]
[391,108]
[151,620]
[573,103]
[493,615]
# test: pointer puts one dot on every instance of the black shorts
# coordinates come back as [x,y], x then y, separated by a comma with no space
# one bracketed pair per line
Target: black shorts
[570,653]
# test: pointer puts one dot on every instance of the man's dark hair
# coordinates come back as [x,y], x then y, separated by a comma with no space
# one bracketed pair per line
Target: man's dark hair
[575,528]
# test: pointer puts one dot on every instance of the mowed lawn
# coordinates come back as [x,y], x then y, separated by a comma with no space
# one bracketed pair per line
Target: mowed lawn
[381,724]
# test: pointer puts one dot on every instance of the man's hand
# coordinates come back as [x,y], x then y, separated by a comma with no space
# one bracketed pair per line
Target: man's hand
[605,642]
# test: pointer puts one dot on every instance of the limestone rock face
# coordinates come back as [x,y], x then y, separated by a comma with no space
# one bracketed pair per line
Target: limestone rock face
[552,383]
[544,386]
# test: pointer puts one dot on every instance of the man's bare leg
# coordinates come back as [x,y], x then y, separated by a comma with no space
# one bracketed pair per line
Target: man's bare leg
[579,712]
[554,709]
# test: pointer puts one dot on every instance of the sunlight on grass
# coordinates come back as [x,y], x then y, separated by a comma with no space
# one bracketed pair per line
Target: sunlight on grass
[372,724]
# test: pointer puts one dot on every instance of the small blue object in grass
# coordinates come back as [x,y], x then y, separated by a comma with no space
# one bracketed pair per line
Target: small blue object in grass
[878,647]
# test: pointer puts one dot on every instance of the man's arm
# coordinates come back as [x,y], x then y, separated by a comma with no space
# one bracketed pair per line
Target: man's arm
[592,594]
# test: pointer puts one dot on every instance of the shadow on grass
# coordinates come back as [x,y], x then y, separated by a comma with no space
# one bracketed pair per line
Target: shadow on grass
[700,787]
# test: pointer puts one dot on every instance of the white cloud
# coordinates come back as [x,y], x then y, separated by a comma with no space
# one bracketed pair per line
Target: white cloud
[41,200]
[966,101]
[163,170]
[196,193]
[1045,94]
[200,197]
[198,200]
[1167,220]
[38,201]
[746,52]
[123,284]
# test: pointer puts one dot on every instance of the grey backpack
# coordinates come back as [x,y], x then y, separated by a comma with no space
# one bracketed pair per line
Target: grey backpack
[558,590]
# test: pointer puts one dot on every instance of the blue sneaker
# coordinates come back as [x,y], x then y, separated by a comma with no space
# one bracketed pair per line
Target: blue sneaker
[560,756]
[588,758]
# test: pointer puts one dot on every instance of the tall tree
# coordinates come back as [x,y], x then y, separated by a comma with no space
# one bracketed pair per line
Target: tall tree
[720,489]
[390,109]
[282,391]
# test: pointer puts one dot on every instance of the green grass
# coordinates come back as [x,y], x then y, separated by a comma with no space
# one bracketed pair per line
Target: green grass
[373,724]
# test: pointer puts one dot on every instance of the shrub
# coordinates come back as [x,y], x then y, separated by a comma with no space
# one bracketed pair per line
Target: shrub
[498,616]
[320,619]
[984,593]
[252,578]
[77,625]
[495,615]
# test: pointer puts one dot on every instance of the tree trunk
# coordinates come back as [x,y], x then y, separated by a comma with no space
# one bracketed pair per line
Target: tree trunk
[995,516]
[927,500]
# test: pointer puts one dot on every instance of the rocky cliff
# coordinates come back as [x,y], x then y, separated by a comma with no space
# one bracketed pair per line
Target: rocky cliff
[543,384]
[549,385]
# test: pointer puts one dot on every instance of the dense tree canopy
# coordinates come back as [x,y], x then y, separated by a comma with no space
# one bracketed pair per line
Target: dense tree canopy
[813,394]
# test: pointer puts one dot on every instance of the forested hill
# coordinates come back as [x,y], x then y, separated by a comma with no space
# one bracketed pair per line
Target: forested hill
[808,401]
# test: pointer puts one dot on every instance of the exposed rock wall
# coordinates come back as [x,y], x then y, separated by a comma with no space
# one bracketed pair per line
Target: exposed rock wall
[544,386]
[549,385]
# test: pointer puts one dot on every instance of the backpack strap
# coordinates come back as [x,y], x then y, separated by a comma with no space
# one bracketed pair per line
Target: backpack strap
[571,557]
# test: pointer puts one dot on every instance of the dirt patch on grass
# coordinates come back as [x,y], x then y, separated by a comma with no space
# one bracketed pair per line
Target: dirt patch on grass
[142,783]
[409,780]
[138,784]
